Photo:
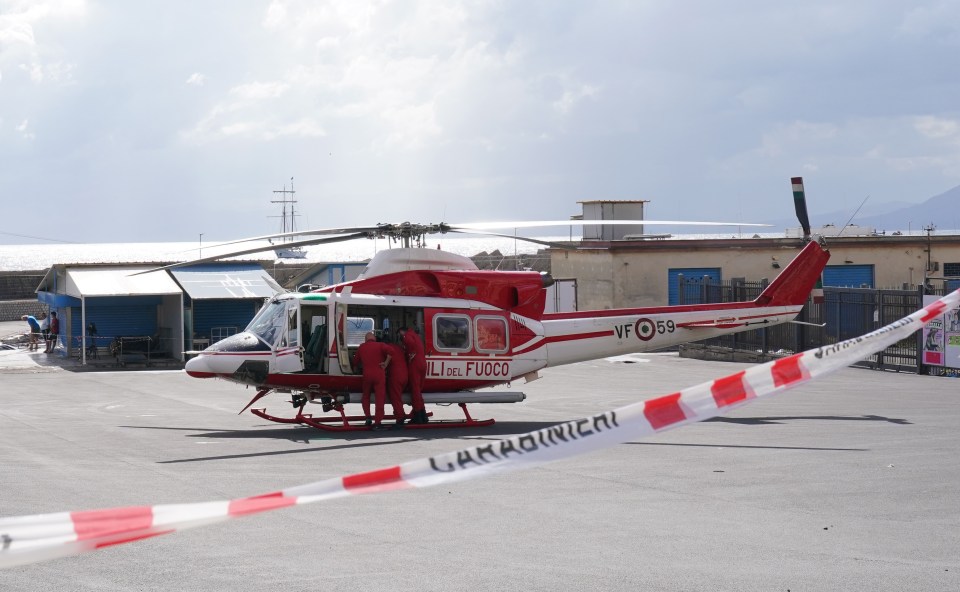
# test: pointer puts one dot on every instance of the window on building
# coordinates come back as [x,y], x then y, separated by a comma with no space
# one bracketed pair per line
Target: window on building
[951,269]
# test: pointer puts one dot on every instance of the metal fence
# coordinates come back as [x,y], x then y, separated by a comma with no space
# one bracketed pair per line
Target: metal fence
[844,313]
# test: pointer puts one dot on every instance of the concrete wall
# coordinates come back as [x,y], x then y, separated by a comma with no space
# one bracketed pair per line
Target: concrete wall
[12,310]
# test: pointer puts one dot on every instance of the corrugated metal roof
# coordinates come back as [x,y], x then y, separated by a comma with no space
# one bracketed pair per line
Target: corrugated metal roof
[202,282]
[119,281]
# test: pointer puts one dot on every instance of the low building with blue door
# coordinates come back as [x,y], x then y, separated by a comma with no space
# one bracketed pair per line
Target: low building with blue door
[98,303]
[171,311]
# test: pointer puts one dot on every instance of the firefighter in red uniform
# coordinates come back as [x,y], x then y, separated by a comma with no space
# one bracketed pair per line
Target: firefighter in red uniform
[374,357]
[416,373]
[396,379]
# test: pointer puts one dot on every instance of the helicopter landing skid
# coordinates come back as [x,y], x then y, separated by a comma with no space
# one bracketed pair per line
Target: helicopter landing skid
[355,423]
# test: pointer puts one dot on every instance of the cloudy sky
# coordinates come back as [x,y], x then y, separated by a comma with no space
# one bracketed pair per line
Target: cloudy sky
[154,121]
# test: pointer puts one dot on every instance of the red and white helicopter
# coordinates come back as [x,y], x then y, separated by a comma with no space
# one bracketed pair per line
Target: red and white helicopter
[478,328]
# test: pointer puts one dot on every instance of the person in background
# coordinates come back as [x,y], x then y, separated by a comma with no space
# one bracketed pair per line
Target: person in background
[373,357]
[416,374]
[53,333]
[34,325]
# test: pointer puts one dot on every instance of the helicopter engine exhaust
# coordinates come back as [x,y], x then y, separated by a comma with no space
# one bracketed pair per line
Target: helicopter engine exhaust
[546,279]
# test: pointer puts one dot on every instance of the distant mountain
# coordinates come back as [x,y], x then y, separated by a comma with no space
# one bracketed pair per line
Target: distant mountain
[943,210]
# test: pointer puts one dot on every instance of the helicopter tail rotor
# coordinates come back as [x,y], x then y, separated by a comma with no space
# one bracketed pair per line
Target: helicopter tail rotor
[800,203]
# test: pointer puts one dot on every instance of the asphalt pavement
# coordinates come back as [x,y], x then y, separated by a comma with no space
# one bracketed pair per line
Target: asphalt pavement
[847,483]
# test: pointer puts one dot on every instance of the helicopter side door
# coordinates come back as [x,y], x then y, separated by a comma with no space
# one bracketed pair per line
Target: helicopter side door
[314,338]
[289,352]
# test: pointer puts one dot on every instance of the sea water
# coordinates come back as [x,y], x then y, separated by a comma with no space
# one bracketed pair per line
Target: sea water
[42,256]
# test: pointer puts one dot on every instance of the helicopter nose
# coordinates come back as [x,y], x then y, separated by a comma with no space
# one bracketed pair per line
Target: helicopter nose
[199,367]
[224,357]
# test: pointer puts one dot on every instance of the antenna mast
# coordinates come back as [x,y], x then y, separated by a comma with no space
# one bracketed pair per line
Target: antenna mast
[284,201]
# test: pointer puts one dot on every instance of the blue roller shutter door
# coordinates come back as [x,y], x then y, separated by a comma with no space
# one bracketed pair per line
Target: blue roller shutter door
[848,276]
[208,314]
[117,316]
[693,280]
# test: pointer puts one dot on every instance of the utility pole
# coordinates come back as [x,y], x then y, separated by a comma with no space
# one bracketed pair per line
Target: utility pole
[926,276]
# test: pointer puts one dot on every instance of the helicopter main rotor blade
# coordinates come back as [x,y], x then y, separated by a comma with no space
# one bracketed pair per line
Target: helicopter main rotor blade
[520,238]
[535,224]
[304,243]
[315,232]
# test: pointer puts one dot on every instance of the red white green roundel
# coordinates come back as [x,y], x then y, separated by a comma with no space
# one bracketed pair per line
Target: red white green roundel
[645,329]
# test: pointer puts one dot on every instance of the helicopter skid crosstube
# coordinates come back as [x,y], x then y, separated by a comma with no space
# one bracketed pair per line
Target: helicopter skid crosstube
[355,423]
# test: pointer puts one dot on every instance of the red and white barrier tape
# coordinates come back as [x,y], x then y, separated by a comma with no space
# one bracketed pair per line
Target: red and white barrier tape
[28,539]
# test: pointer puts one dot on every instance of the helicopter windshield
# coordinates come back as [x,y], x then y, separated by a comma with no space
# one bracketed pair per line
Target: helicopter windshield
[269,322]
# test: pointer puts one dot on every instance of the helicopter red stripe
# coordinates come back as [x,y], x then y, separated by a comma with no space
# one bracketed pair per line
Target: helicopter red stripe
[529,347]
[729,389]
[576,336]
[664,411]
[381,480]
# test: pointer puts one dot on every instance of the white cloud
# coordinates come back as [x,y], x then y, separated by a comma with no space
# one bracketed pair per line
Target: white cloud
[276,15]
[571,97]
[257,91]
[35,71]
[936,20]
[14,31]
[57,72]
[910,143]
[24,129]
[410,125]
[938,127]
[785,138]
[20,43]
[196,79]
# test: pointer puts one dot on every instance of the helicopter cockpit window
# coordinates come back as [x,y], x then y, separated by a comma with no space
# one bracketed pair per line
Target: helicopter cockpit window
[451,332]
[269,322]
[491,334]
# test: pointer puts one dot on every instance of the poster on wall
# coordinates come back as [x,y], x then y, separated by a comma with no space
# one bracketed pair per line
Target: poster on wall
[941,338]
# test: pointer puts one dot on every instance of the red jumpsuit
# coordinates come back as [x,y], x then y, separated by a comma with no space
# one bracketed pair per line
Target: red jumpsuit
[416,368]
[396,378]
[370,355]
